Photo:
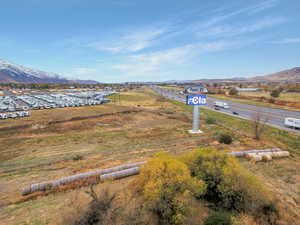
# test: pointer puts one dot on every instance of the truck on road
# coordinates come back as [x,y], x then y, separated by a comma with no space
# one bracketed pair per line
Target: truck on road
[292,122]
[223,105]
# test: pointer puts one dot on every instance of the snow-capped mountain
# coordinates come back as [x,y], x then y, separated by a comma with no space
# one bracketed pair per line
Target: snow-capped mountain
[10,72]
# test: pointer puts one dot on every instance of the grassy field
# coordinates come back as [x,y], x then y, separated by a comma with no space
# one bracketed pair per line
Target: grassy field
[292,99]
[171,87]
[55,143]
[283,96]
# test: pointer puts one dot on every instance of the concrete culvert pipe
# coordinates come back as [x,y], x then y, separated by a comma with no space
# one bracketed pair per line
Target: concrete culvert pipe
[243,153]
[266,156]
[256,158]
[50,184]
[281,154]
[120,174]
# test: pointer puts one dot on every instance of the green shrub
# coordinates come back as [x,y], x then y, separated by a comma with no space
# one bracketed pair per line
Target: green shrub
[211,120]
[233,91]
[275,93]
[221,92]
[77,157]
[160,99]
[225,139]
[271,100]
[218,218]
[229,185]
[165,184]
[269,213]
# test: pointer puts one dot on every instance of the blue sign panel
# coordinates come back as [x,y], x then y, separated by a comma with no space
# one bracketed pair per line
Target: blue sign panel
[196,100]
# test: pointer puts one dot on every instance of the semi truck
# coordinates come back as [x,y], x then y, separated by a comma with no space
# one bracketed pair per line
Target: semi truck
[292,122]
[223,105]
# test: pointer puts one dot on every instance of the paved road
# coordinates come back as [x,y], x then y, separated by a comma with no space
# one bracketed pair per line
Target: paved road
[275,116]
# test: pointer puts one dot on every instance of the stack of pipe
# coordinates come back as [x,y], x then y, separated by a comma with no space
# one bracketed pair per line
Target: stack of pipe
[267,156]
[116,172]
[243,153]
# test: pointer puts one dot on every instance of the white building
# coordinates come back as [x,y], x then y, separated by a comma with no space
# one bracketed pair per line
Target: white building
[248,89]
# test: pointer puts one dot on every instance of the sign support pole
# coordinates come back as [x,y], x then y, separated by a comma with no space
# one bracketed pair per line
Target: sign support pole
[196,121]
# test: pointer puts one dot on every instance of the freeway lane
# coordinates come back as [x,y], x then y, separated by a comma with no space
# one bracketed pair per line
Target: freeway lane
[275,116]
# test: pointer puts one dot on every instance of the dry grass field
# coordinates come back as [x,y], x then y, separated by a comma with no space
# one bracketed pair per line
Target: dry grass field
[55,143]
[290,101]
[283,96]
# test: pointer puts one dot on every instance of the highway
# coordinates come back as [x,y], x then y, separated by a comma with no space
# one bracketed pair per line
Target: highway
[275,117]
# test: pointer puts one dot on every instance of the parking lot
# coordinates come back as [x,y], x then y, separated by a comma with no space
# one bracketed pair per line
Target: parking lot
[13,106]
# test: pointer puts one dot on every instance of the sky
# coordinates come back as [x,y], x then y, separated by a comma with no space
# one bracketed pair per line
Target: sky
[157,40]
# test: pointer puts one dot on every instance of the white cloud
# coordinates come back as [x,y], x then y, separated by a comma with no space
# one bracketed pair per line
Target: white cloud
[226,30]
[263,6]
[249,10]
[157,62]
[287,41]
[132,42]
[82,71]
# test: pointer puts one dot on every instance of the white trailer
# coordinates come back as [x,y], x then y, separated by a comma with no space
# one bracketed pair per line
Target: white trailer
[3,116]
[292,122]
[223,105]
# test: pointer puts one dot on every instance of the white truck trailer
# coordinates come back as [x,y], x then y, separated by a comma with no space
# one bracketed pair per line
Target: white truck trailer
[223,105]
[292,122]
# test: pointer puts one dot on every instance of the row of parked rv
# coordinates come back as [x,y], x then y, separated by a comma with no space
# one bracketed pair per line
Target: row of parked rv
[52,100]
[8,104]
[4,116]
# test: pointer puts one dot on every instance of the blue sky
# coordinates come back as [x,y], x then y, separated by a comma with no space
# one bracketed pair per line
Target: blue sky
[137,40]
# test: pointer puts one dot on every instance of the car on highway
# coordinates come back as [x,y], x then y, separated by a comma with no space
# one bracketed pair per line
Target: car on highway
[223,105]
[292,122]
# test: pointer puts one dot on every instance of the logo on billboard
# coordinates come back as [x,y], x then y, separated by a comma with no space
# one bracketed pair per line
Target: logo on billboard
[196,99]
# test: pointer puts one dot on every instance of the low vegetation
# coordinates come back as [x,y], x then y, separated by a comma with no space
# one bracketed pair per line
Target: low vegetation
[225,139]
[233,91]
[218,218]
[211,120]
[275,93]
[167,186]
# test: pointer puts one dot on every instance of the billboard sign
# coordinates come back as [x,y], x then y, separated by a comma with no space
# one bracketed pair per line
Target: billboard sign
[196,99]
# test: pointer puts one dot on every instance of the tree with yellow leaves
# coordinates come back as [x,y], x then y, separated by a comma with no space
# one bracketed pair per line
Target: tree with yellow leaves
[165,183]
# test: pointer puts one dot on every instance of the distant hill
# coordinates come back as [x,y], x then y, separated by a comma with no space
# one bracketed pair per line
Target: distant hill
[285,75]
[13,73]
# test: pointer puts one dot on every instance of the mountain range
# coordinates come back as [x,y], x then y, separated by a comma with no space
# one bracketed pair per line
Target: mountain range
[285,75]
[13,73]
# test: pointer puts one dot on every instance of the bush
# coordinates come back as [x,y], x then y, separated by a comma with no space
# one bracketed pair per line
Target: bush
[269,213]
[160,99]
[275,93]
[165,183]
[225,139]
[233,91]
[228,184]
[97,210]
[271,100]
[218,218]
[77,157]
[211,120]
